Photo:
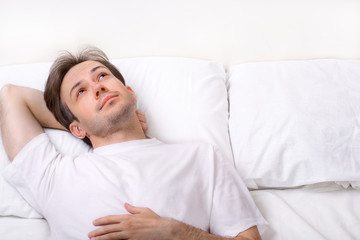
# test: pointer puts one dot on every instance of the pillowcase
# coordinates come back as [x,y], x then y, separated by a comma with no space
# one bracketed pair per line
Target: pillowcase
[27,75]
[184,100]
[296,122]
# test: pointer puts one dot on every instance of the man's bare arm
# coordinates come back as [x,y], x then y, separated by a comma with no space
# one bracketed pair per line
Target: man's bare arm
[146,224]
[184,231]
[23,113]
[189,232]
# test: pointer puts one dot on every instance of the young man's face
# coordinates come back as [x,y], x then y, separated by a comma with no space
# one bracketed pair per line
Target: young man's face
[97,98]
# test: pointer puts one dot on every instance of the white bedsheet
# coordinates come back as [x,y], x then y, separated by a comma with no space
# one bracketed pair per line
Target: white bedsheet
[14,228]
[317,213]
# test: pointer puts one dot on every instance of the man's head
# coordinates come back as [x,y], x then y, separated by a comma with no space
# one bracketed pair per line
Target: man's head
[81,83]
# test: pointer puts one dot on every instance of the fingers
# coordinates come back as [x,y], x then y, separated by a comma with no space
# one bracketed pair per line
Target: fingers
[138,223]
[112,227]
[113,231]
[114,219]
[141,115]
[111,219]
[142,119]
[132,209]
[142,212]
[110,236]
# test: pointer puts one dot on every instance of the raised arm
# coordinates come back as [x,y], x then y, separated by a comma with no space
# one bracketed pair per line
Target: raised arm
[23,113]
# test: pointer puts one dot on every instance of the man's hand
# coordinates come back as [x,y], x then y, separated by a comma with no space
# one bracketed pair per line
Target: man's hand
[142,119]
[142,223]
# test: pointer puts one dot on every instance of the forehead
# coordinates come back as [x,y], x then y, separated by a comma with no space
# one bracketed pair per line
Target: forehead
[78,73]
[81,70]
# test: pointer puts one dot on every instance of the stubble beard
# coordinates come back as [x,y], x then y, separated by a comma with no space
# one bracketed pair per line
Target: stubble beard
[118,120]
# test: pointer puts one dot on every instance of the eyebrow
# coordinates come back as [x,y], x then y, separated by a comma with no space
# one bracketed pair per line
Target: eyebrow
[79,82]
[96,68]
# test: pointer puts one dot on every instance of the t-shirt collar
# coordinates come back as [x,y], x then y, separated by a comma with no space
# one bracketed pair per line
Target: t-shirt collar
[125,146]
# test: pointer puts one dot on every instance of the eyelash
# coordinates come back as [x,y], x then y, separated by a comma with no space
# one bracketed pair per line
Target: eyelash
[102,75]
[80,92]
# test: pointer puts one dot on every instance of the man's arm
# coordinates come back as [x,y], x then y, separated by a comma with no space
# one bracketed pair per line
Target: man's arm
[190,233]
[23,113]
[145,224]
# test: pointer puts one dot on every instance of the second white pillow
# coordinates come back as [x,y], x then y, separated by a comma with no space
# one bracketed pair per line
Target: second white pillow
[296,122]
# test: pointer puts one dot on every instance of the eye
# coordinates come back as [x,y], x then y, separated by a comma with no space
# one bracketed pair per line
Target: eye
[101,76]
[81,91]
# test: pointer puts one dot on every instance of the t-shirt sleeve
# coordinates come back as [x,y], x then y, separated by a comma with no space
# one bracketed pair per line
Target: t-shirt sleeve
[233,210]
[32,171]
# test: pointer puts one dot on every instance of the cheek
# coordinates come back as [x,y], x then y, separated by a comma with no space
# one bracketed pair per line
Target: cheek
[84,107]
[87,104]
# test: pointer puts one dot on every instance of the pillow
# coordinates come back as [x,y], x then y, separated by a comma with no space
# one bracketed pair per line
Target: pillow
[27,75]
[296,122]
[184,100]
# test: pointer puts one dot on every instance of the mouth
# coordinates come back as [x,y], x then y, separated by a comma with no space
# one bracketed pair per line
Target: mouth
[105,100]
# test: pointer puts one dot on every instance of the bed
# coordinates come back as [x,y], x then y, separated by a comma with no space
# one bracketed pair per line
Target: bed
[274,84]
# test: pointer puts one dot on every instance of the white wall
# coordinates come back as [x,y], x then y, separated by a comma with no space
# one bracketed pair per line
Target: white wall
[230,31]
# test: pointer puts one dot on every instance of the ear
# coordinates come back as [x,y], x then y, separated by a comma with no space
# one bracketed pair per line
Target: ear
[132,92]
[76,130]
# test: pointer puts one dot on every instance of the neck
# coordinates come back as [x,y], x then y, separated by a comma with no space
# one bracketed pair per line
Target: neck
[130,132]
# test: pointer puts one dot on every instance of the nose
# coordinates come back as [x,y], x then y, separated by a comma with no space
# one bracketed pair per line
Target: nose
[98,90]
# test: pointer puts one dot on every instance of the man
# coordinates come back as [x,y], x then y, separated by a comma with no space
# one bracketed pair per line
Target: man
[176,191]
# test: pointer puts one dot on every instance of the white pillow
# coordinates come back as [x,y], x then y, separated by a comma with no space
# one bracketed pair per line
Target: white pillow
[296,122]
[184,100]
[28,75]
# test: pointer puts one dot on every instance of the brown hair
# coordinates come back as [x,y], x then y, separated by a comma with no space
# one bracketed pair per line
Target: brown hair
[57,73]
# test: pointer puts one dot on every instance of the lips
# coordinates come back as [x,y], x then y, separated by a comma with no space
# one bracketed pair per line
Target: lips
[105,100]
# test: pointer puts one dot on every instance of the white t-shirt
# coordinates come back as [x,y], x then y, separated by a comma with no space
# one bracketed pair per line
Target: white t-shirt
[192,183]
